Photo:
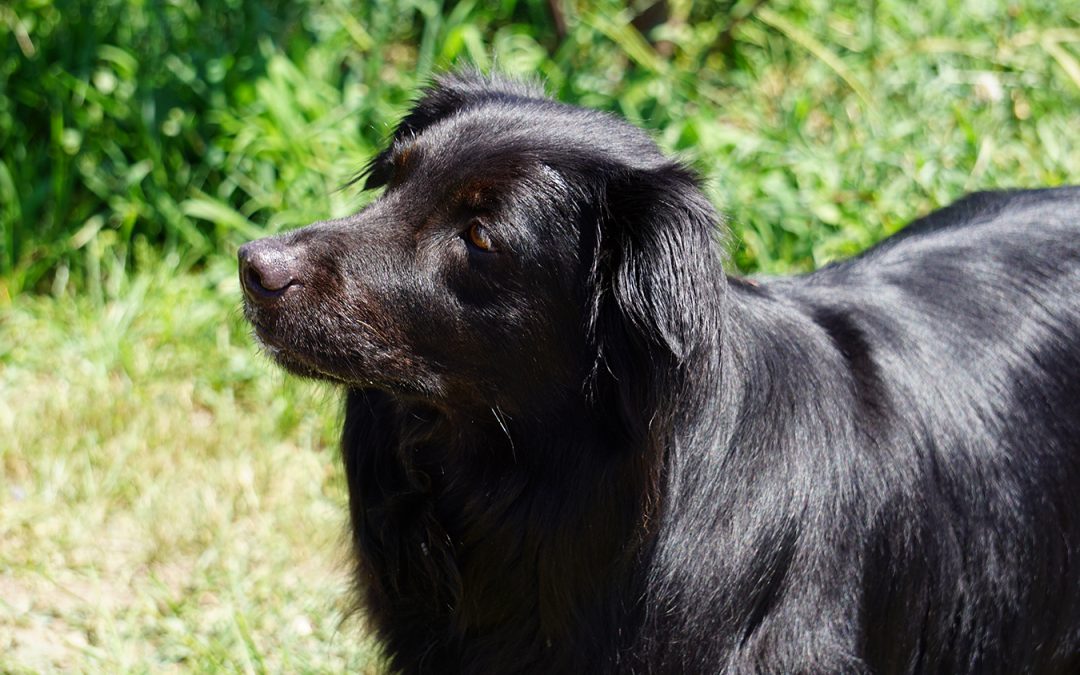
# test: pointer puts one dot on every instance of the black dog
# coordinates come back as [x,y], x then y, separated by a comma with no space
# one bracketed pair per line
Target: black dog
[573,445]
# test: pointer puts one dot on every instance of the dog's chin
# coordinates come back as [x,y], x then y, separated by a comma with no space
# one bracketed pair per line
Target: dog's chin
[304,367]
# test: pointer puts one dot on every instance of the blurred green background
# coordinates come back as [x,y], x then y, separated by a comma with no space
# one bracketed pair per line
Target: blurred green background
[168,499]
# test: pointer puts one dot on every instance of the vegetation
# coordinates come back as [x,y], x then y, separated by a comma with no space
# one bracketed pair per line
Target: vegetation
[168,499]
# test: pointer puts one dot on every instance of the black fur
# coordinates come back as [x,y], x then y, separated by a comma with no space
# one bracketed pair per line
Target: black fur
[589,450]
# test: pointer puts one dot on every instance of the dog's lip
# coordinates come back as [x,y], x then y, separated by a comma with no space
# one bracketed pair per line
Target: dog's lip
[265,335]
[278,348]
[311,365]
[298,362]
[291,359]
[270,340]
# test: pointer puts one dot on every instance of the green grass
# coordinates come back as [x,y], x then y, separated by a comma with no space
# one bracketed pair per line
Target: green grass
[195,128]
[168,499]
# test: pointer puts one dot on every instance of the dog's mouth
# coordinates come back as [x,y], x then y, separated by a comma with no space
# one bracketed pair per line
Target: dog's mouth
[328,366]
[288,357]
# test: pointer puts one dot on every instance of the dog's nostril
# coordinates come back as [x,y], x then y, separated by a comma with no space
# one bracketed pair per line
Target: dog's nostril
[266,272]
[253,281]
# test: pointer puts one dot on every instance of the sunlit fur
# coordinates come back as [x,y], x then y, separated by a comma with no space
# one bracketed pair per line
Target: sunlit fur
[589,450]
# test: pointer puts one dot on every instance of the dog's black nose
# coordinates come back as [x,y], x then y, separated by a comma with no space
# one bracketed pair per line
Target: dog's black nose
[267,270]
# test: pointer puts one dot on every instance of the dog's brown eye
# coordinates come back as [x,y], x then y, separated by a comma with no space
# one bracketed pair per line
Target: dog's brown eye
[478,237]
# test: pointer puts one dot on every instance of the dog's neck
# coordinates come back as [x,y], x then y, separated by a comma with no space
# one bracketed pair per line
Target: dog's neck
[522,518]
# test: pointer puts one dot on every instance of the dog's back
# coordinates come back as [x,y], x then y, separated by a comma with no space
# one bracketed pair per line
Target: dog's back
[932,426]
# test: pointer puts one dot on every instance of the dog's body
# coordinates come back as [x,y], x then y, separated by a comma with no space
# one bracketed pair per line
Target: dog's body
[573,445]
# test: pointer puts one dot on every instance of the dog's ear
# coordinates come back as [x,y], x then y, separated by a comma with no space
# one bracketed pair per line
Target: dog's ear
[659,292]
[448,94]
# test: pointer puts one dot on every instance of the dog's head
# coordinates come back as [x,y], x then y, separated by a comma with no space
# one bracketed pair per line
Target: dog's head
[521,246]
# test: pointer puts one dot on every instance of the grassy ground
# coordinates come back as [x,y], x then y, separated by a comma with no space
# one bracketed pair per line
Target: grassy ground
[170,501]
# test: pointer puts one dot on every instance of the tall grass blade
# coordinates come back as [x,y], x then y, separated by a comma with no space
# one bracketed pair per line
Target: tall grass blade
[811,44]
